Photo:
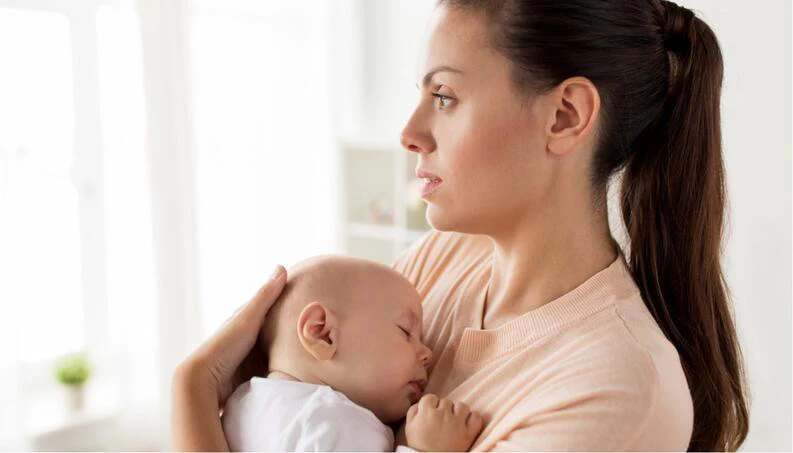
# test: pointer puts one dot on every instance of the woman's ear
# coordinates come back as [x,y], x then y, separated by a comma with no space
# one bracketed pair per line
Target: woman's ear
[575,105]
[317,329]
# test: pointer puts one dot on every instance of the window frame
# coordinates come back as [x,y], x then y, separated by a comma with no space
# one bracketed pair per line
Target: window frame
[87,176]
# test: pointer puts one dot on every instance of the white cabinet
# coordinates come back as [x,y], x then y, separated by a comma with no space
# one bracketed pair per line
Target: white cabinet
[382,209]
[378,54]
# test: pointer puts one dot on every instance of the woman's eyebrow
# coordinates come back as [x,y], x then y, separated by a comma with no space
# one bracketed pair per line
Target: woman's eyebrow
[428,76]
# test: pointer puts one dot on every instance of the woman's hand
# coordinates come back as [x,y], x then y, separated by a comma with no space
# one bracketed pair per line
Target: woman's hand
[204,381]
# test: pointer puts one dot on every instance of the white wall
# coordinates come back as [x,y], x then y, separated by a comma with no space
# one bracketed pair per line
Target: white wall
[756,109]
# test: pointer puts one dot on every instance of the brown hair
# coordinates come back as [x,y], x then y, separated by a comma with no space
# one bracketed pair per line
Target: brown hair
[658,70]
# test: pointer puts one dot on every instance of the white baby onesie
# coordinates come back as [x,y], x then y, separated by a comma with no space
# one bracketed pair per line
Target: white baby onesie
[280,415]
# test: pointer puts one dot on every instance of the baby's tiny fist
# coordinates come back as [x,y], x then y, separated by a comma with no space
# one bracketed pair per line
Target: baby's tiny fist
[439,424]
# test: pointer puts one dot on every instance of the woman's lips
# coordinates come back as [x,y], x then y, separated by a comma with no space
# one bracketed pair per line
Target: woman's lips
[431,181]
[430,186]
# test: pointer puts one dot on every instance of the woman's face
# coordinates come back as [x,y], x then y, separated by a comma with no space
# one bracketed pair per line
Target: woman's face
[473,131]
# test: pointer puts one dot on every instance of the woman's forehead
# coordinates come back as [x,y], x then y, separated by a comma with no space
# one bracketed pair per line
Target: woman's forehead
[458,40]
[455,26]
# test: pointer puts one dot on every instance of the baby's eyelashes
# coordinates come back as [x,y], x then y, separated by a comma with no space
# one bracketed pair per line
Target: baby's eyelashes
[405,331]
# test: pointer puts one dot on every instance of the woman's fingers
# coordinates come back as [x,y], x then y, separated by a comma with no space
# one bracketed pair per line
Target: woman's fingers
[203,381]
[256,309]
[238,335]
[222,355]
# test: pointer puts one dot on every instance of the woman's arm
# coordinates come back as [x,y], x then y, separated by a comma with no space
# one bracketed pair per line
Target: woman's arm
[195,423]
[205,380]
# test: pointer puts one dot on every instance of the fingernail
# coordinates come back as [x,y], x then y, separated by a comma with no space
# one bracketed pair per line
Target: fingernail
[276,273]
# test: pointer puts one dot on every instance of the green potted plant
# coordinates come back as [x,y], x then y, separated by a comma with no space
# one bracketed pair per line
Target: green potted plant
[73,371]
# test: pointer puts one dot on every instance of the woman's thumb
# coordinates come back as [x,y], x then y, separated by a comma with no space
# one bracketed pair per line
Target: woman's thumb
[267,295]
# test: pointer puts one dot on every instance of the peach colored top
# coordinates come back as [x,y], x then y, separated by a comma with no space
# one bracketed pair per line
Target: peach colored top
[590,370]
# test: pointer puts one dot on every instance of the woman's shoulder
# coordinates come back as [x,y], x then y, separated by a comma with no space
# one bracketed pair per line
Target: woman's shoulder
[442,253]
[630,367]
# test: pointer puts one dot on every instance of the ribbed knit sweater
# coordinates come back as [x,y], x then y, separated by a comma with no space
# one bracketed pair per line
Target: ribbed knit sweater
[590,370]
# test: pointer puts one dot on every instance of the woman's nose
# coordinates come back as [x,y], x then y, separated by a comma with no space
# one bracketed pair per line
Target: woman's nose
[415,136]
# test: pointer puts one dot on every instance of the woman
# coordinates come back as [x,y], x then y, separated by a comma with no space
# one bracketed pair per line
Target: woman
[536,318]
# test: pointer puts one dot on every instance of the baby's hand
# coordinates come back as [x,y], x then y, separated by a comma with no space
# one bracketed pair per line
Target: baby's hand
[441,425]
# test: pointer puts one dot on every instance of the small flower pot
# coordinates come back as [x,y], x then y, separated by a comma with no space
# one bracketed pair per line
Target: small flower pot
[75,397]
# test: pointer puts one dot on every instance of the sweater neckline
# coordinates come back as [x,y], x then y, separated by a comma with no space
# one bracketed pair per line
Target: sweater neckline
[591,296]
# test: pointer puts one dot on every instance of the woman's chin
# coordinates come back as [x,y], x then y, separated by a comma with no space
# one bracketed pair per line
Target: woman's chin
[440,220]
[443,219]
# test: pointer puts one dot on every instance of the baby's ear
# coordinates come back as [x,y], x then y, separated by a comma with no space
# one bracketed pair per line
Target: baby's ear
[317,330]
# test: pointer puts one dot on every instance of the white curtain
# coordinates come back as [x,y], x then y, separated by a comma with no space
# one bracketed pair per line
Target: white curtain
[211,129]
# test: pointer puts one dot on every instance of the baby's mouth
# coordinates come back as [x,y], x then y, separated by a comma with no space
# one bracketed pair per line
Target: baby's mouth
[418,386]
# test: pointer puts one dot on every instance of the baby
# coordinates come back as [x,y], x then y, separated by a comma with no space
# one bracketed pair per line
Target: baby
[345,359]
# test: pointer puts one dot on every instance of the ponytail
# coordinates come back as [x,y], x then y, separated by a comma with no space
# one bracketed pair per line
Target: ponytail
[673,199]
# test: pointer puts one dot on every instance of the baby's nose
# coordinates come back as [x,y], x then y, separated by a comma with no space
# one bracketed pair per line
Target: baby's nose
[425,355]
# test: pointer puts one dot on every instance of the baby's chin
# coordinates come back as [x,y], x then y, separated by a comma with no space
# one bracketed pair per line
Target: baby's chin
[396,412]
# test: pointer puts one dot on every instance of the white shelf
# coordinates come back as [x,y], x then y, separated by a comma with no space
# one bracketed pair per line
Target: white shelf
[48,413]
[377,187]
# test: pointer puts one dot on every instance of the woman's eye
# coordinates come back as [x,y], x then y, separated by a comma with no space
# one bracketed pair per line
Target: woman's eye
[405,331]
[444,101]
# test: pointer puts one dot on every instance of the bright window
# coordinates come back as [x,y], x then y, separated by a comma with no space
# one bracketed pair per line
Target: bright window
[260,81]
[40,255]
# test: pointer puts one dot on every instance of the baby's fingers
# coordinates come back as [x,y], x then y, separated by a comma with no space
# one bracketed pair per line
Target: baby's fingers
[446,406]
[461,409]
[428,401]
[414,409]
[474,423]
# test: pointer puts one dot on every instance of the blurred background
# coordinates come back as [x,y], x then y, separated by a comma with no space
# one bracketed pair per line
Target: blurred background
[158,158]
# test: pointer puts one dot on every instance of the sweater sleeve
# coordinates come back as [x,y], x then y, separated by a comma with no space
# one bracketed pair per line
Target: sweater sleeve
[597,424]
[610,410]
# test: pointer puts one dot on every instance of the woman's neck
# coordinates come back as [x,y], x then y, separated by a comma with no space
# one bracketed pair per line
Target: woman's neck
[544,259]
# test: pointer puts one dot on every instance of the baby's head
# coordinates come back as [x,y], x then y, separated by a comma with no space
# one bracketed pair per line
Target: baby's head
[353,325]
